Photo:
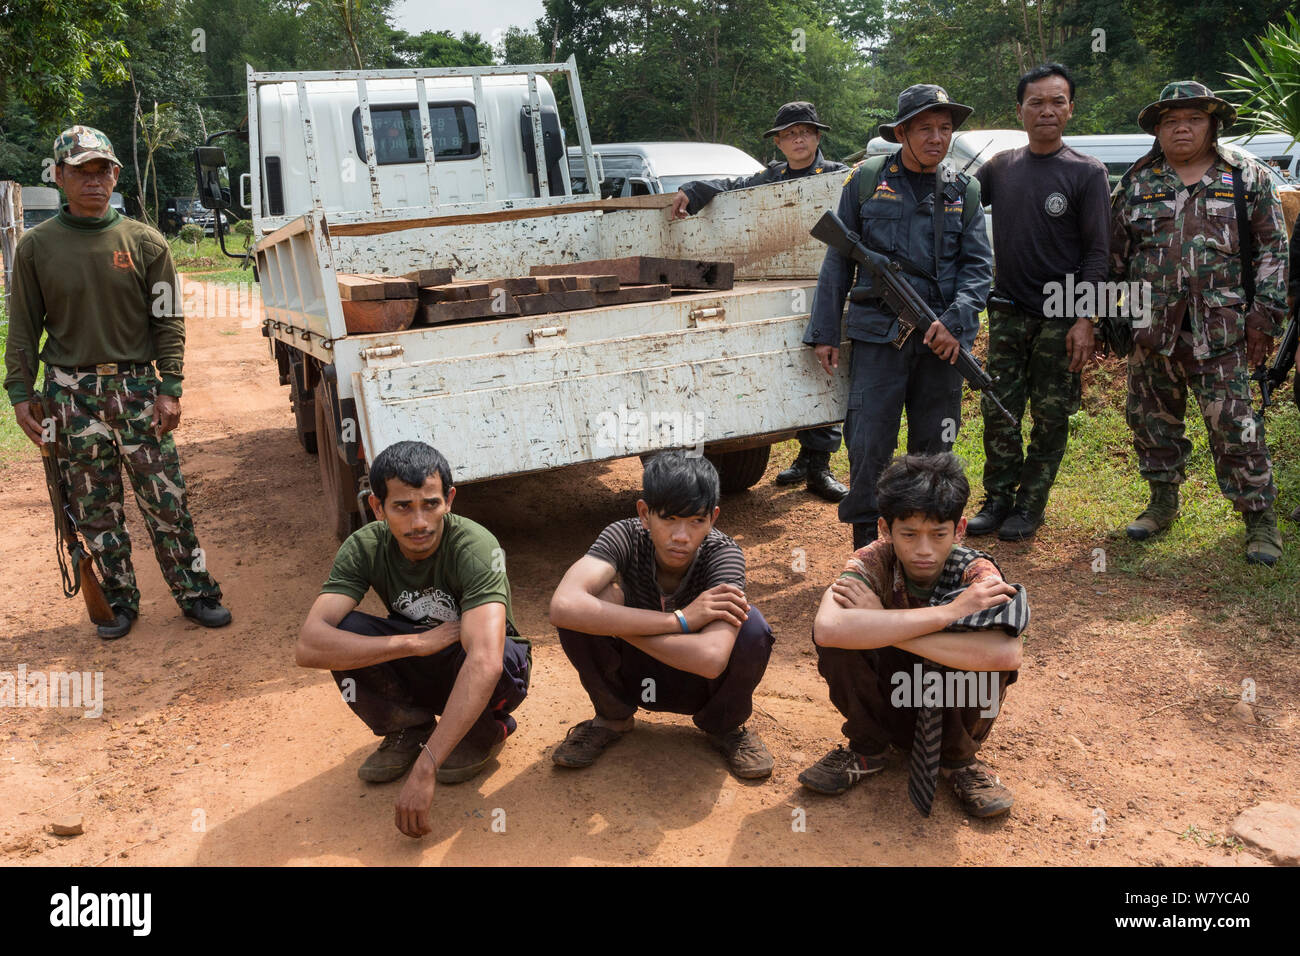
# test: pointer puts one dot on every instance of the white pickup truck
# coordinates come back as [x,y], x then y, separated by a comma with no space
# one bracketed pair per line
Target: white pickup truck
[396,170]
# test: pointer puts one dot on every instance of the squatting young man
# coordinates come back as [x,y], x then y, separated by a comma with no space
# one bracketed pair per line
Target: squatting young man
[910,612]
[655,616]
[448,647]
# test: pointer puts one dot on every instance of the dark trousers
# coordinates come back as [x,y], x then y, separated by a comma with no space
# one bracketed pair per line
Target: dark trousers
[883,381]
[619,678]
[861,685]
[825,439]
[413,691]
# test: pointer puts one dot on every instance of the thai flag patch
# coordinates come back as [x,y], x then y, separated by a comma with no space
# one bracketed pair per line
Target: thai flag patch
[1227,179]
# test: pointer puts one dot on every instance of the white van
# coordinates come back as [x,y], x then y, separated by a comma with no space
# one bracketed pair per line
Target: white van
[1278,149]
[39,204]
[332,120]
[639,169]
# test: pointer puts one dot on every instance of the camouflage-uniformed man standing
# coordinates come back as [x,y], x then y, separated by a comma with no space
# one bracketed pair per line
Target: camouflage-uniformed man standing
[1174,225]
[103,288]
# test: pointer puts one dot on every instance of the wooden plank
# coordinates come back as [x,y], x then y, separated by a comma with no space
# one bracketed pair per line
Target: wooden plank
[655,202]
[555,302]
[379,315]
[467,289]
[714,276]
[636,293]
[455,311]
[359,288]
[395,287]
[425,277]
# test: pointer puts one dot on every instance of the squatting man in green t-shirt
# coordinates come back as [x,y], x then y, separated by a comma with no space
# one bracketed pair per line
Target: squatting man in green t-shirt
[448,648]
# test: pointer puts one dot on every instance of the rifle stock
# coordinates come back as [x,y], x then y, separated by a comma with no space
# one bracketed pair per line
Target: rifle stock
[1272,376]
[899,295]
[83,577]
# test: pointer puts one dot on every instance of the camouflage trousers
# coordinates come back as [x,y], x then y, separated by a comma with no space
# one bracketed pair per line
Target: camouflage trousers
[1029,364]
[104,422]
[1157,405]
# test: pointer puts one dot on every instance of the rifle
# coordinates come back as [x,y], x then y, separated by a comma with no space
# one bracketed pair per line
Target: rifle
[913,311]
[82,575]
[1273,376]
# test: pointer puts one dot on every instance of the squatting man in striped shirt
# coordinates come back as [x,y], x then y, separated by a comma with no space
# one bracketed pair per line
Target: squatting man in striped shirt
[919,639]
[654,616]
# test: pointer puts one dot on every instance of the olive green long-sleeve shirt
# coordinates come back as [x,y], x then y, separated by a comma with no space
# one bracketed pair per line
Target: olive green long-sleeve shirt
[104,290]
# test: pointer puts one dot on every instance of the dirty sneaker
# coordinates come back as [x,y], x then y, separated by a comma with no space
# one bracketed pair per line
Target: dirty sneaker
[584,743]
[839,770]
[747,755]
[467,760]
[395,755]
[979,791]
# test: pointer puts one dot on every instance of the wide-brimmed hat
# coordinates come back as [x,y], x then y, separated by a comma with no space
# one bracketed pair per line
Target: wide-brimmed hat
[795,114]
[80,144]
[919,98]
[1187,94]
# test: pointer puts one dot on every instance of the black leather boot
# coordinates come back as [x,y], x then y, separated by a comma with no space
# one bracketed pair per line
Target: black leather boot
[796,473]
[821,482]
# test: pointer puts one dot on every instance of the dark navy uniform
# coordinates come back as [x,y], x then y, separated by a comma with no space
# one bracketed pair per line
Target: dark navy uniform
[883,379]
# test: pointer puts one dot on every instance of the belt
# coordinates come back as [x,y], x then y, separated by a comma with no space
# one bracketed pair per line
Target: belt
[109,368]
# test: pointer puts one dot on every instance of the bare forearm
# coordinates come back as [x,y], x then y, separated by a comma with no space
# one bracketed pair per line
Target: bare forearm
[861,628]
[968,650]
[329,648]
[591,615]
[699,654]
[468,699]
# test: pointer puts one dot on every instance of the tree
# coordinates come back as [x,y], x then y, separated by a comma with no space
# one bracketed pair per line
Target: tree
[49,47]
[431,49]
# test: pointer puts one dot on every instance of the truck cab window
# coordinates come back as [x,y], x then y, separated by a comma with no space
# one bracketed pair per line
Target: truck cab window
[397,132]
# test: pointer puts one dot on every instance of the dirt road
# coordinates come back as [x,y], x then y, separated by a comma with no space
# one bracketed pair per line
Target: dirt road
[213,748]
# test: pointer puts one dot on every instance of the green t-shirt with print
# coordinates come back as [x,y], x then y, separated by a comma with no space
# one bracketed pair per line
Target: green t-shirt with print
[467,571]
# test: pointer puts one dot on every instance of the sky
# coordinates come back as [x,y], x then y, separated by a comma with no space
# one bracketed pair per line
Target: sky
[488,18]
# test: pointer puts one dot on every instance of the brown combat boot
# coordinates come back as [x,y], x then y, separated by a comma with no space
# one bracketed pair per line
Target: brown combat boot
[1159,514]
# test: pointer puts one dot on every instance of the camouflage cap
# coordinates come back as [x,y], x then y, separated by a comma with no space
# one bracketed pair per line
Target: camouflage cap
[919,98]
[1189,94]
[80,144]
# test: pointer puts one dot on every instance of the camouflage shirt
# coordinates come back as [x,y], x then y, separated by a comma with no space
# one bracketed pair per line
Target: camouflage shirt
[1183,241]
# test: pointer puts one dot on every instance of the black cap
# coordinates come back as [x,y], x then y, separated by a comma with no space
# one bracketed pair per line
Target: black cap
[919,98]
[794,114]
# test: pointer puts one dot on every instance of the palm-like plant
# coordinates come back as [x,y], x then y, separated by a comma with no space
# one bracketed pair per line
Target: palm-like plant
[1271,83]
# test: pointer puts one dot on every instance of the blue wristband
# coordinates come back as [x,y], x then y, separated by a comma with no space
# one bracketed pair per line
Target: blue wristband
[681,619]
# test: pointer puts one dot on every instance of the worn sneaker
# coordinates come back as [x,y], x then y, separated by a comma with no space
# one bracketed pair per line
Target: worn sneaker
[747,755]
[584,743]
[467,761]
[1020,525]
[1159,514]
[123,618]
[839,770]
[208,612]
[980,792]
[1263,540]
[395,755]
[992,513]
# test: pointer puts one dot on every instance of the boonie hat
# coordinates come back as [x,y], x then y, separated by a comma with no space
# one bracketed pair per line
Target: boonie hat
[1187,93]
[919,98]
[793,114]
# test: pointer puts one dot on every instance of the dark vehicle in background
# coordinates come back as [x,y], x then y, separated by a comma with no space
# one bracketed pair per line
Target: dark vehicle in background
[183,211]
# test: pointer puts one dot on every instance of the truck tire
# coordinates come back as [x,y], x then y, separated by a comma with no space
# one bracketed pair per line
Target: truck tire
[304,415]
[338,478]
[740,470]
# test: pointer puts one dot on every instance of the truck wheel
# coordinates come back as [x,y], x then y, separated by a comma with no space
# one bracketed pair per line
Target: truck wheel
[739,470]
[304,415]
[338,479]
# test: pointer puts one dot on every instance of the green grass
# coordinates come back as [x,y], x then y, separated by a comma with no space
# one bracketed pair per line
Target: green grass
[1098,491]
[206,257]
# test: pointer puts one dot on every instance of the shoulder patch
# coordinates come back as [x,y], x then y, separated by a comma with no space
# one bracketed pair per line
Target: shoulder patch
[853,169]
